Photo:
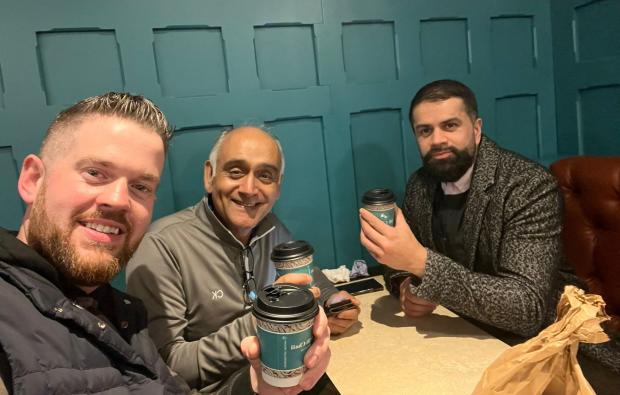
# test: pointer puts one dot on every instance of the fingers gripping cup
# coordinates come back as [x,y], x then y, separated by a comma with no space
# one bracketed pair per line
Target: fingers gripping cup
[284,315]
[293,257]
[380,202]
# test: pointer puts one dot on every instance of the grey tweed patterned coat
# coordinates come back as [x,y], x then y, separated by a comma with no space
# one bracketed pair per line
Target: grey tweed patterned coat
[511,226]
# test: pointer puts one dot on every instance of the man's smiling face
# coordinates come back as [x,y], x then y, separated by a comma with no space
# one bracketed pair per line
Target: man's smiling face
[95,198]
[246,183]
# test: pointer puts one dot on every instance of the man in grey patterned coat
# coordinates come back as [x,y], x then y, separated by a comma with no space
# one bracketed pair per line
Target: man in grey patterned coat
[479,232]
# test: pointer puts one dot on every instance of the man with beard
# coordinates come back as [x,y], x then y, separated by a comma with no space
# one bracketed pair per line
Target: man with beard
[89,197]
[479,232]
[196,269]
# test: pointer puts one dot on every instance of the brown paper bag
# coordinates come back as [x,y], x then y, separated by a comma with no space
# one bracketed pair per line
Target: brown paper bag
[547,364]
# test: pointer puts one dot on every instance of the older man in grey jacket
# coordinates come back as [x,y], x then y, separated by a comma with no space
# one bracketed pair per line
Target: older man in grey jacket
[196,269]
[479,232]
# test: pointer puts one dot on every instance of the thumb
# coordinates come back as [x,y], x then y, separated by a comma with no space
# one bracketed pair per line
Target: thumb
[316,292]
[399,220]
[250,348]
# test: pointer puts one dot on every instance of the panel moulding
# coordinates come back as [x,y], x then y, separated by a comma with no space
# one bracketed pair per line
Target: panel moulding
[517,124]
[373,153]
[513,42]
[598,115]
[77,63]
[1,88]
[369,51]
[450,34]
[596,30]
[306,182]
[188,151]
[285,56]
[11,206]
[190,61]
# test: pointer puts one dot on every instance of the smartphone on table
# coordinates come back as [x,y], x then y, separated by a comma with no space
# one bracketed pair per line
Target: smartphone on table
[361,286]
[335,308]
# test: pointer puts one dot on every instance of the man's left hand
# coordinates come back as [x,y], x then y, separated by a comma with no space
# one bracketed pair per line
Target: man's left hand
[395,246]
[316,360]
[342,321]
[412,305]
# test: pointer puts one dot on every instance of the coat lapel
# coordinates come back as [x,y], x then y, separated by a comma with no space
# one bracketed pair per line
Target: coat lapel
[422,202]
[478,197]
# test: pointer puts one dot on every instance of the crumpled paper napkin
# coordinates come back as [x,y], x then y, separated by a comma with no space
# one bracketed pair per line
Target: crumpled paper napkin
[338,275]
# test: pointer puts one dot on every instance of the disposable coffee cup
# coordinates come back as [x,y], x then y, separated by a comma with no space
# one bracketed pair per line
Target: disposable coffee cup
[293,257]
[380,202]
[284,316]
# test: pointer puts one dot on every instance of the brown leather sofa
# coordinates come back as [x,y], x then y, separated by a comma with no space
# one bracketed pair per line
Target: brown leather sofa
[591,190]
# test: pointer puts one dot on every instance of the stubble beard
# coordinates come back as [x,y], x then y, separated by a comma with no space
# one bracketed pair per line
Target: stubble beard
[53,243]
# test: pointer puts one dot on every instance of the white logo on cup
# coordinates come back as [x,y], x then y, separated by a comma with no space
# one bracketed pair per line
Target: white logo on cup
[218,294]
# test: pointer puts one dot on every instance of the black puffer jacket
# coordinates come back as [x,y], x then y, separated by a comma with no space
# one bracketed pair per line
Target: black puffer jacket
[52,345]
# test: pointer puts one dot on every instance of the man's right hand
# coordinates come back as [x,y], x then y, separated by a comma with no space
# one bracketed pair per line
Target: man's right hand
[395,246]
[299,279]
[316,360]
[411,304]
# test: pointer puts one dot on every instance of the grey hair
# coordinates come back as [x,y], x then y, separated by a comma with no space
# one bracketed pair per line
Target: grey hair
[123,105]
[215,150]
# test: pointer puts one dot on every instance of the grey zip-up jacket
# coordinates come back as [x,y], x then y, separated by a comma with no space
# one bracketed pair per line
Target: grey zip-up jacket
[188,270]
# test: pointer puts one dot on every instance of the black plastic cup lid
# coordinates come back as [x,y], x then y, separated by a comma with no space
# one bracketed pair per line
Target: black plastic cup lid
[378,196]
[285,303]
[291,250]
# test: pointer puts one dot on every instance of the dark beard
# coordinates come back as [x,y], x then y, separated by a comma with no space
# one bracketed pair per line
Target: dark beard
[54,244]
[450,169]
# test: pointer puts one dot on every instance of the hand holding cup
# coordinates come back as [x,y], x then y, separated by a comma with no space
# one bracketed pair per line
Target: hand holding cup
[316,361]
[285,316]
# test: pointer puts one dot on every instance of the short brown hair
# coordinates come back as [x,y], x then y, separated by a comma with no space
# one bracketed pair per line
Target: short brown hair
[123,105]
[443,90]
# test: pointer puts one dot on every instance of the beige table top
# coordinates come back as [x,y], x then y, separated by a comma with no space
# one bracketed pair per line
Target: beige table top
[388,353]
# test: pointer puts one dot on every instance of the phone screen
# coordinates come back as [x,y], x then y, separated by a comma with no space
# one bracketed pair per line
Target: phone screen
[361,287]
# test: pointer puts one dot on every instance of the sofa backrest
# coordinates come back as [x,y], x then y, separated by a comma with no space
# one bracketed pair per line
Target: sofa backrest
[591,216]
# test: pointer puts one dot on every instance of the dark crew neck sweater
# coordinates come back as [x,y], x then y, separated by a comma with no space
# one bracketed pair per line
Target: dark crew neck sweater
[447,218]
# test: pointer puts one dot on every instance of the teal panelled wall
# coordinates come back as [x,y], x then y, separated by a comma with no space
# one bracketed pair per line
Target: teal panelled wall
[587,74]
[332,79]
